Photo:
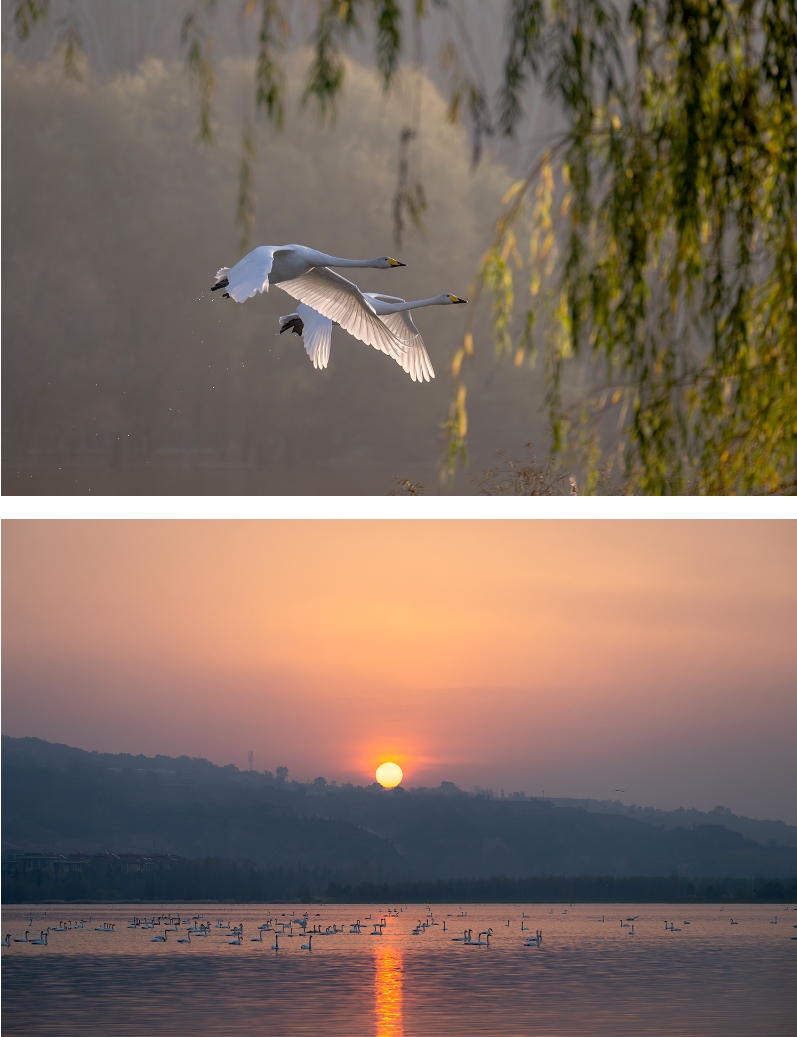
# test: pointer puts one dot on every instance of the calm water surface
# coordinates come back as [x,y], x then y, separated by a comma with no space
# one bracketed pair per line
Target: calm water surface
[588,977]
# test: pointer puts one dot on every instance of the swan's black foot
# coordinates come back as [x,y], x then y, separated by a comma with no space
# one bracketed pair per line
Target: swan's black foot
[220,284]
[294,324]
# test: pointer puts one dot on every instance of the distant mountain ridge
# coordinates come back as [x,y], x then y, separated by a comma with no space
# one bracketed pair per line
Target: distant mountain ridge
[760,831]
[59,799]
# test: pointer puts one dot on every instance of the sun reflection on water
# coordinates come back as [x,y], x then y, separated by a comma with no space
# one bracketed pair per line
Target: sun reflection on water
[387,992]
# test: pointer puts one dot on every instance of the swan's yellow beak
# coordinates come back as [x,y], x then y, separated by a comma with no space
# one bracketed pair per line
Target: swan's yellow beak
[455,298]
[395,262]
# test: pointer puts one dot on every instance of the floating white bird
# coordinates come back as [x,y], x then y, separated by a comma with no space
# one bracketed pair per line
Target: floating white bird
[316,329]
[304,273]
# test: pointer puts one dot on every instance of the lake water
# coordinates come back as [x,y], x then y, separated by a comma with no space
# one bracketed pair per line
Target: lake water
[586,978]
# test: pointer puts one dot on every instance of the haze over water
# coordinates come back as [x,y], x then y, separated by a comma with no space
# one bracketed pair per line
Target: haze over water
[588,977]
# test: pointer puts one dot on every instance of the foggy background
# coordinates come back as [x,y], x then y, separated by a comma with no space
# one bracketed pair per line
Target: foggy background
[122,374]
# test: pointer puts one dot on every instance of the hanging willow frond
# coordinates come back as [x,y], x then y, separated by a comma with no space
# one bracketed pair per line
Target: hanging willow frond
[70,46]
[327,70]
[269,74]
[246,208]
[26,13]
[388,38]
[198,43]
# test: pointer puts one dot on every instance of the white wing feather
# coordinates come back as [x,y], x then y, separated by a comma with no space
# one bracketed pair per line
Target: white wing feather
[343,302]
[250,274]
[416,360]
[317,335]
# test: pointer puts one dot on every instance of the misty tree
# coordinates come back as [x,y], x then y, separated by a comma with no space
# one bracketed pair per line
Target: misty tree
[653,240]
[282,773]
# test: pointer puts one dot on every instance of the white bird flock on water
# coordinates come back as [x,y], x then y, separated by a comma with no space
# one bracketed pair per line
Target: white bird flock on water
[189,929]
[326,297]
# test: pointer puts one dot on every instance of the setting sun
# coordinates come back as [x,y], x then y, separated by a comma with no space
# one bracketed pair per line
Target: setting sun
[389,775]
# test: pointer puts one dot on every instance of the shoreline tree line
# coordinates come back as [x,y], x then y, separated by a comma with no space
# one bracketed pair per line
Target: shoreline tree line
[213,879]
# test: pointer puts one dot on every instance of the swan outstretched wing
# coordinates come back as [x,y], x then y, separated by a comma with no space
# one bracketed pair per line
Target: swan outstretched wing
[250,274]
[317,335]
[343,302]
[416,360]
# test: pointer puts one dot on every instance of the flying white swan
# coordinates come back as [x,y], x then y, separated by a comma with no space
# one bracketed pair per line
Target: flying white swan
[304,273]
[316,329]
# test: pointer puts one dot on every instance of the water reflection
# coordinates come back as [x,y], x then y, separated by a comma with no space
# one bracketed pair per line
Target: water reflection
[387,991]
[706,979]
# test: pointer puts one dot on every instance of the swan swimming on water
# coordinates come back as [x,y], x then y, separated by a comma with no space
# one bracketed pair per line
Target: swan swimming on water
[316,329]
[305,274]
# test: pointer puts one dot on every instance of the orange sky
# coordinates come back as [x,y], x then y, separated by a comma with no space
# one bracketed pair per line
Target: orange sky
[578,657]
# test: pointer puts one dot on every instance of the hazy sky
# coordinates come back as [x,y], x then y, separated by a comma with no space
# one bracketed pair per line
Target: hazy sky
[575,657]
[129,376]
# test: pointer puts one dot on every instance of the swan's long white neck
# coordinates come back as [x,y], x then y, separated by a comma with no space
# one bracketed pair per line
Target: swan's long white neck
[397,307]
[321,259]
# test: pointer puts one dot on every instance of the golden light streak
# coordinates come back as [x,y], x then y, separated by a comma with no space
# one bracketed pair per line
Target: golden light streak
[387,983]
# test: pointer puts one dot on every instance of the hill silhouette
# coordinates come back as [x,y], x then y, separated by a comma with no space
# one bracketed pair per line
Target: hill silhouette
[59,799]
